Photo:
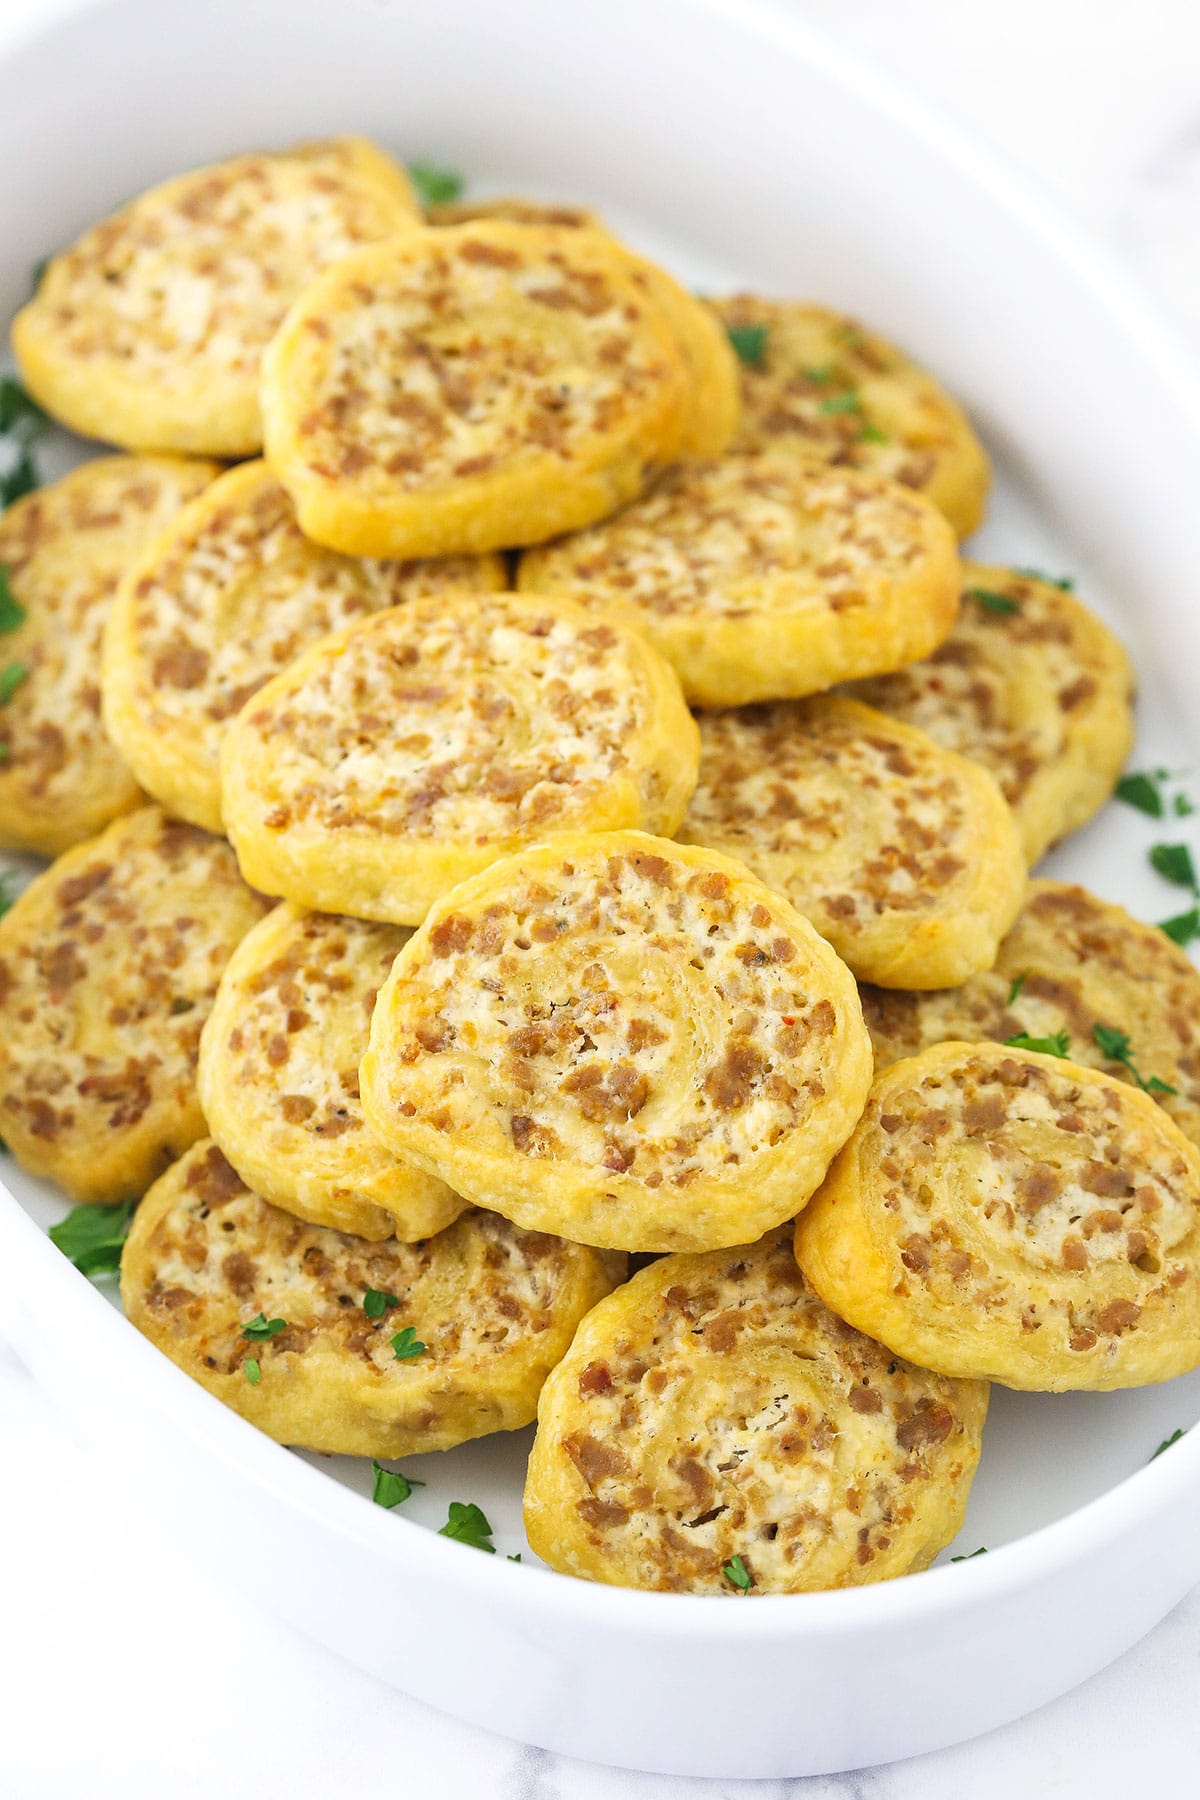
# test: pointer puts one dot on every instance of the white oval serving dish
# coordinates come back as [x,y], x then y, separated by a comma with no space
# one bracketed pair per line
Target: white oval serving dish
[727,138]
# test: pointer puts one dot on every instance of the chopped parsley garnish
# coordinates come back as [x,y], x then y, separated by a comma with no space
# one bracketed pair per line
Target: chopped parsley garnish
[435,187]
[738,1575]
[262,1327]
[38,273]
[1183,927]
[251,1371]
[407,1344]
[842,403]
[11,677]
[1015,989]
[1183,806]
[1065,582]
[991,601]
[1058,1045]
[12,613]
[1141,790]
[92,1236]
[750,343]
[376,1302]
[20,415]
[1117,1047]
[468,1525]
[20,480]
[1174,1438]
[181,1004]
[515,1558]
[391,1488]
[8,893]
[821,375]
[1174,863]
[871,434]
[982,1551]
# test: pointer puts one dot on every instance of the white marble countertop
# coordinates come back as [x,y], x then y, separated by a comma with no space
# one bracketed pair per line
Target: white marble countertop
[125,1673]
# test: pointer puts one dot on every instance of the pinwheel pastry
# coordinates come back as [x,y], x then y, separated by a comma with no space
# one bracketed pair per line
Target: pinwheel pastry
[62,551]
[766,578]
[108,965]
[1077,972]
[1033,686]
[340,1345]
[819,383]
[1011,1215]
[149,331]
[223,601]
[714,1429]
[631,1042]
[468,387]
[278,1077]
[903,855]
[394,758]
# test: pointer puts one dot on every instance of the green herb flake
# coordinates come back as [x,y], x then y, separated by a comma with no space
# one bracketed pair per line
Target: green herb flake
[376,1302]
[750,343]
[1142,791]
[38,273]
[1179,1432]
[467,1524]
[21,479]
[738,1575]
[407,1344]
[92,1236]
[1183,806]
[1058,1045]
[20,415]
[251,1371]
[180,1005]
[842,403]
[391,1487]
[435,186]
[262,1327]
[982,1551]
[515,1558]
[1015,990]
[12,613]
[11,677]
[8,893]
[871,434]
[1117,1047]
[1172,861]
[820,375]
[991,601]
[1183,927]
[1064,582]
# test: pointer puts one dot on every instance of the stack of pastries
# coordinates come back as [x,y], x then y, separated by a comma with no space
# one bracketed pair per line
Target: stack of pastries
[534,785]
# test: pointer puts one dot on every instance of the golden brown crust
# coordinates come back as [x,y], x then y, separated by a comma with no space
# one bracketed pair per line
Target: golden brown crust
[628,1041]
[494,1307]
[763,578]
[516,211]
[1033,686]
[714,1408]
[904,856]
[222,602]
[278,1077]
[405,753]
[149,331]
[64,548]
[824,386]
[470,387]
[1004,1214]
[108,965]
[1077,963]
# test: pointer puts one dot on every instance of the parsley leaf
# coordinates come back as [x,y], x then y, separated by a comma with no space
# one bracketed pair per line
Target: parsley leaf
[1141,791]
[1015,989]
[435,187]
[1173,862]
[1183,806]
[842,403]
[982,1551]
[251,1370]
[8,893]
[871,434]
[1167,1442]
[1058,1045]
[1117,1046]
[262,1327]
[20,415]
[468,1525]
[92,1236]
[12,613]
[407,1344]
[1183,927]
[376,1302]
[11,677]
[21,479]
[1065,582]
[991,601]
[821,375]
[738,1575]
[391,1488]
[515,1558]
[750,343]
[38,273]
